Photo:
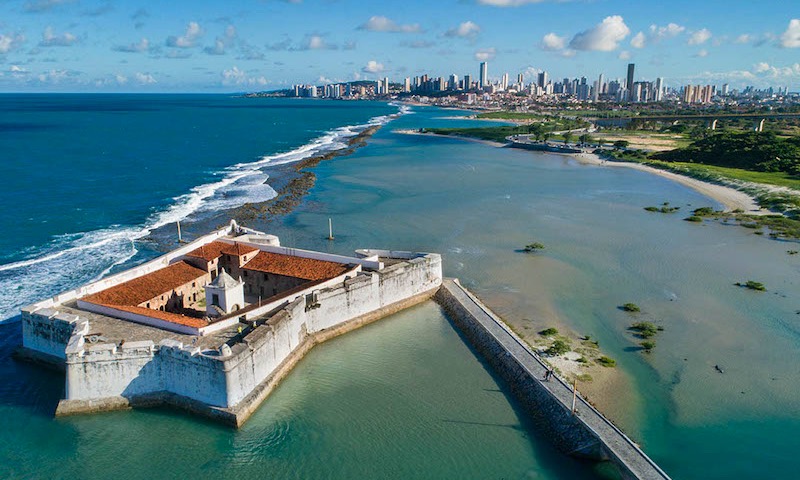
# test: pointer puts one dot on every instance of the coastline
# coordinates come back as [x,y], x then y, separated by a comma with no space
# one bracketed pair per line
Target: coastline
[291,191]
[729,197]
[469,139]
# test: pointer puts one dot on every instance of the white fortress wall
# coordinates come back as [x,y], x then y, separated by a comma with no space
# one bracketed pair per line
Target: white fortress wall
[139,369]
[274,342]
[47,331]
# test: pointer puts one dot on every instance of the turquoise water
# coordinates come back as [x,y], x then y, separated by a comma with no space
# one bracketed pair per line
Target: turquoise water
[405,394]
[479,204]
[402,398]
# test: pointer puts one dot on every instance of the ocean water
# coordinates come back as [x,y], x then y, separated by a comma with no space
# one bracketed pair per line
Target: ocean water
[405,398]
[92,176]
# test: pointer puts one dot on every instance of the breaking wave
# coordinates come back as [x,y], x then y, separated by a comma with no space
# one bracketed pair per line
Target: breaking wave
[71,260]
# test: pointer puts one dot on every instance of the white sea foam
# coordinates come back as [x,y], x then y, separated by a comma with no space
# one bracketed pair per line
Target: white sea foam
[74,259]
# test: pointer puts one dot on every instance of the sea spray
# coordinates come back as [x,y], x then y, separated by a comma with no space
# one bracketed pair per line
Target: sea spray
[74,259]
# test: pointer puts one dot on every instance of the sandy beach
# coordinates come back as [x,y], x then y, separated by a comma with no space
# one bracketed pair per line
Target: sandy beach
[731,198]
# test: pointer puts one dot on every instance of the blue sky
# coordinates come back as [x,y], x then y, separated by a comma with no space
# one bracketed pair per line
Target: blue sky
[218,46]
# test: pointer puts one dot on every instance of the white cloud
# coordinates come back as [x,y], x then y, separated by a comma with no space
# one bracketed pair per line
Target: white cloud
[624,55]
[380,23]
[188,39]
[702,53]
[485,54]
[9,43]
[17,69]
[553,42]
[466,29]
[791,37]
[221,43]
[372,67]
[121,79]
[39,6]
[743,38]
[603,37]
[670,30]
[761,67]
[316,42]
[141,46]
[53,76]
[51,39]
[237,77]
[144,78]
[638,40]
[699,37]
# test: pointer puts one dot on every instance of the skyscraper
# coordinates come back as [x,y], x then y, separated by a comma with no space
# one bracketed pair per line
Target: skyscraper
[484,75]
[504,82]
[659,94]
[629,84]
[542,80]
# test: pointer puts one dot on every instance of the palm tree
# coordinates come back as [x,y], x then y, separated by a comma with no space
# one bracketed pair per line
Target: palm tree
[567,137]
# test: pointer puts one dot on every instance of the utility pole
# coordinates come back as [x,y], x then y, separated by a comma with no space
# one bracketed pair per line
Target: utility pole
[330,229]
[180,240]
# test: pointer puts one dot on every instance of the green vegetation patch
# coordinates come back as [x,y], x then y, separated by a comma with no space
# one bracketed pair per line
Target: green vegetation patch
[752,285]
[645,329]
[559,347]
[607,362]
[630,307]
[664,208]
[532,247]
[547,332]
[648,345]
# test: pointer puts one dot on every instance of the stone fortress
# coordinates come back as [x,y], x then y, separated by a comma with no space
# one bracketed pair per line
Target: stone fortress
[213,326]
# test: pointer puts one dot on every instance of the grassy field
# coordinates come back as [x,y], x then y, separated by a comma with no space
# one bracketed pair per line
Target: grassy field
[511,116]
[779,179]
[494,134]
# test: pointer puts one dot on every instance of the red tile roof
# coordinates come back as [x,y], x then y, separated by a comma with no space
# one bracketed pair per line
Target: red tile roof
[162,315]
[141,289]
[297,267]
[216,249]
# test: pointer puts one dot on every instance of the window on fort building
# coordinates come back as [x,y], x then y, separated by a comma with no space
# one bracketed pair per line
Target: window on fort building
[245,273]
[193,284]
[215,299]
[274,291]
[262,291]
[266,277]
[148,304]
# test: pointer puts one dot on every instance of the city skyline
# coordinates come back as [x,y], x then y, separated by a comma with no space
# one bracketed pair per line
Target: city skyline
[86,45]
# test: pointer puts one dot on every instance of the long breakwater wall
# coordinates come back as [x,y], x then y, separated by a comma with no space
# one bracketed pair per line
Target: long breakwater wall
[230,383]
[583,433]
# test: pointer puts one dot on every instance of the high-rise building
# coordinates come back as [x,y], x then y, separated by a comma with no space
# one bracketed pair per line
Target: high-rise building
[453,83]
[629,84]
[725,89]
[659,91]
[520,80]
[467,82]
[484,75]
[504,82]
[542,79]
[407,85]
